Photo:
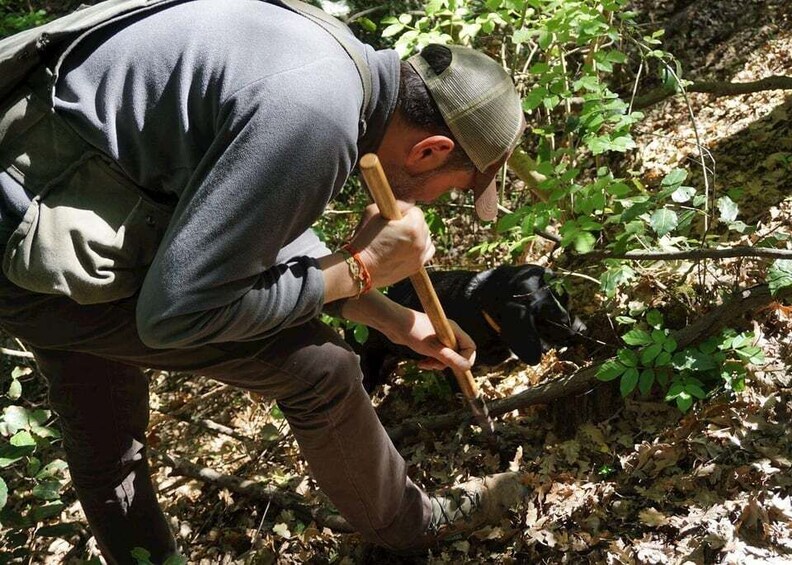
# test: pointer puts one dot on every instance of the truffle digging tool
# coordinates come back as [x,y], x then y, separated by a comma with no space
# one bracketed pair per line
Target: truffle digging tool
[383,196]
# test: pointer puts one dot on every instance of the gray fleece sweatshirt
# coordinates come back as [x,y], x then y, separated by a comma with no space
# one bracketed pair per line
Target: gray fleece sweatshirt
[248,114]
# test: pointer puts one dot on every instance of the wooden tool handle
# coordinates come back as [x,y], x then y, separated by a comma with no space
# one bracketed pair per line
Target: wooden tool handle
[381,191]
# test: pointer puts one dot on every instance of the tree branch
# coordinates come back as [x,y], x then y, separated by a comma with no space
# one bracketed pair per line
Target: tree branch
[256,491]
[716,88]
[585,379]
[716,253]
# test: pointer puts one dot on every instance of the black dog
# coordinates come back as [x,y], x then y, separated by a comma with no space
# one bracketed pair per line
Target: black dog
[506,309]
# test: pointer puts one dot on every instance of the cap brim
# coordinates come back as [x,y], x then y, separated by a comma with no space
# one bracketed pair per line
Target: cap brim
[486,190]
[486,198]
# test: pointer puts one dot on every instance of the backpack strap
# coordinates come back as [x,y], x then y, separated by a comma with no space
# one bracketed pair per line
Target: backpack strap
[345,38]
[24,51]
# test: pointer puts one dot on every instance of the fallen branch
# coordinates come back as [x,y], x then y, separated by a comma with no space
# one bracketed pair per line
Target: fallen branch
[585,379]
[716,253]
[716,88]
[212,426]
[256,491]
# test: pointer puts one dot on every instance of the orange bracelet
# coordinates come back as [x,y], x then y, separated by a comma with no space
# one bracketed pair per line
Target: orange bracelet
[358,270]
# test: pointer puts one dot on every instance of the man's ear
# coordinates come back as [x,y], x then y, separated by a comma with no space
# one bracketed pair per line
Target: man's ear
[428,154]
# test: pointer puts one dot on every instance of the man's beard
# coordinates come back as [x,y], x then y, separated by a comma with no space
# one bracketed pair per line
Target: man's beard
[406,186]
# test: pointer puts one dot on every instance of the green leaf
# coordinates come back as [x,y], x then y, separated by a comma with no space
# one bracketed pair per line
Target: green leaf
[16,418]
[534,98]
[405,18]
[33,466]
[588,82]
[40,513]
[684,403]
[695,390]
[19,372]
[282,530]
[650,353]
[646,381]
[658,336]
[674,178]
[779,275]
[584,242]
[62,530]
[709,345]
[521,36]
[663,359]
[728,209]
[610,370]
[739,341]
[693,360]
[544,40]
[670,345]
[366,24]
[176,560]
[615,277]
[52,469]
[142,556]
[392,30]
[629,381]
[3,493]
[10,454]
[663,221]
[268,432]
[47,490]
[654,318]
[628,357]
[618,189]
[751,354]
[15,389]
[23,438]
[683,194]
[361,333]
[637,337]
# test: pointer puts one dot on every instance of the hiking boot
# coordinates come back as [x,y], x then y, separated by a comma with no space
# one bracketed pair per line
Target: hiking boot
[471,505]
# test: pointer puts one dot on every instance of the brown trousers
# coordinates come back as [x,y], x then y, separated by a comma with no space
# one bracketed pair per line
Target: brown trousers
[92,358]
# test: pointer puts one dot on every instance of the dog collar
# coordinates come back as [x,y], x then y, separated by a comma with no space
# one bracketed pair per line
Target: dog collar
[493,324]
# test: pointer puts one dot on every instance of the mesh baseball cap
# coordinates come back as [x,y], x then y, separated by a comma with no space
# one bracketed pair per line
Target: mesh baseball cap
[480,105]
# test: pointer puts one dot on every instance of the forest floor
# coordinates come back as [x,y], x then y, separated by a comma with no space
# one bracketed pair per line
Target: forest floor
[646,484]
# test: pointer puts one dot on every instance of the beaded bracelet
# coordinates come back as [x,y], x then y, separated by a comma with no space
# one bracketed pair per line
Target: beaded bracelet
[358,270]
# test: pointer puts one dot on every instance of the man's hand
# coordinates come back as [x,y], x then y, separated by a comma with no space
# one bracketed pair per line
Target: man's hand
[393,250]
[419,335]
[412,329]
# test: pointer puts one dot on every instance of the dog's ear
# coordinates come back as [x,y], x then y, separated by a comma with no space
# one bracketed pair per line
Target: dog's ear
[519,332]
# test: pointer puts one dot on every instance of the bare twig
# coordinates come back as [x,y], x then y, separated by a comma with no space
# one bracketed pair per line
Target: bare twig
[365,12]
[15,353]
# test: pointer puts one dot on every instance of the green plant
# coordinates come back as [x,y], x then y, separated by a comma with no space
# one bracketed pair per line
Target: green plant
[33,476]
[683,375]
[16,16]
[427,385]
